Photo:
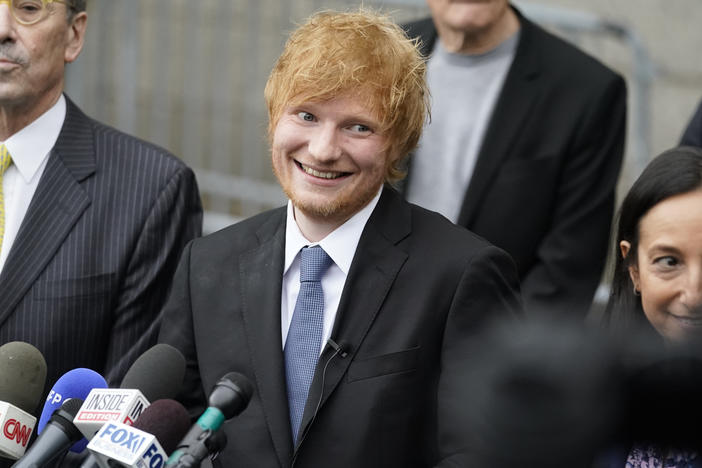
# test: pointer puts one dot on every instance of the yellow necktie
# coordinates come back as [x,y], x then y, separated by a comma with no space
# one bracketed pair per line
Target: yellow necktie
[5,161]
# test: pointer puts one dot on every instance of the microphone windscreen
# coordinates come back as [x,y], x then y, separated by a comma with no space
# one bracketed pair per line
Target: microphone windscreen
[158,373]
[167,420]
[231,394]
[75,383]
[22,375]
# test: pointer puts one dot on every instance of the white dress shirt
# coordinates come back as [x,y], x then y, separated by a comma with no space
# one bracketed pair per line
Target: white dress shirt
[340,245]
[30,149]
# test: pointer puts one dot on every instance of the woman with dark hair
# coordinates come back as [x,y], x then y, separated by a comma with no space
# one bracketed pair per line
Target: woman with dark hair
[659,226]
[657,286]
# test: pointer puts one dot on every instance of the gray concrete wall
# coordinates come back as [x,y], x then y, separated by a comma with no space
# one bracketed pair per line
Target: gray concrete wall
[671,31]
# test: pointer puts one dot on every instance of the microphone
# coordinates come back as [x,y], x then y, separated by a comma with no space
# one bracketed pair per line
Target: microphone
[339,348]
[168,420]
[58,435]
[22,375]
[74,384]
[156,374]
[229,397]
[22,379]
[210,445]
[146,443]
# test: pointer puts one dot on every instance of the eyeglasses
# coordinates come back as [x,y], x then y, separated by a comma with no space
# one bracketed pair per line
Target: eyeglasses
[31,11]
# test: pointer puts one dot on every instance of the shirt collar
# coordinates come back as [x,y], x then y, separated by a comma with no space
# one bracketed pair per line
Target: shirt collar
[340,244]
[30,146]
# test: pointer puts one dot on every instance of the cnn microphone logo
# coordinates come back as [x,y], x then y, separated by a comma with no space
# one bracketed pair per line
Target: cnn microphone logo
[15,430]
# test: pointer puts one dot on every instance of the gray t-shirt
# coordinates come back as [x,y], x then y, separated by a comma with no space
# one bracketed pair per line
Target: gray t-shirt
[464,89]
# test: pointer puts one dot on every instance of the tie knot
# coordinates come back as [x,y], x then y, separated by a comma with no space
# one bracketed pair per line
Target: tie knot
[314,263]
[5,159]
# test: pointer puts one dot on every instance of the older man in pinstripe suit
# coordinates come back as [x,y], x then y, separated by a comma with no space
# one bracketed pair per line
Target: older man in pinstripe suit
[93,220]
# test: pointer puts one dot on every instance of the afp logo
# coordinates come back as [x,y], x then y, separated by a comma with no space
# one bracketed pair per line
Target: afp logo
[13,429]
[54,397]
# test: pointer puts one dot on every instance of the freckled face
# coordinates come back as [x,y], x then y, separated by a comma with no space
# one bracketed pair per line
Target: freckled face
[668,271]
[329,158]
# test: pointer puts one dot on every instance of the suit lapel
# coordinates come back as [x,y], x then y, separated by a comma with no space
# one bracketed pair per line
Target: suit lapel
[519,93]
[56,206]
[261,272]
[376,264]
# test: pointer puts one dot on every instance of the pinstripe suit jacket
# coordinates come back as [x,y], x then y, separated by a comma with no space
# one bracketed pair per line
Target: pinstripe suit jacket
[93,259]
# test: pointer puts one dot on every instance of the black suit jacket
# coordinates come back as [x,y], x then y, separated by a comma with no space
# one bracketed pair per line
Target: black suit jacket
[95,254]
[418,289]
[693,132]
[543,187]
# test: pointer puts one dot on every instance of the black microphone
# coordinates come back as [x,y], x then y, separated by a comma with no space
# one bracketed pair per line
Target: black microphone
[148,442]
[157,374]
[206,446]
[215,444]
[339,348]
[22,379]
[229,397]
[341,351]
[56,438]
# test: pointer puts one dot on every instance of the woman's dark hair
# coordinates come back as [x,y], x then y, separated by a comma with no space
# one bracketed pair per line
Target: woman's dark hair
[673,172]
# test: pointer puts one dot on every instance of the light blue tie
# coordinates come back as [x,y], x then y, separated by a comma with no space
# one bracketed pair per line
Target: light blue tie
[305,334]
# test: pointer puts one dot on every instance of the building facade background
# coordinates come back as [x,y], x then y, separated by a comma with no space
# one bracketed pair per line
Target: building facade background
[189,76]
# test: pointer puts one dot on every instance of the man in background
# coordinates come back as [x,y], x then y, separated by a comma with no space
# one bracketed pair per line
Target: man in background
[524,147]
[352,311]
[92,221]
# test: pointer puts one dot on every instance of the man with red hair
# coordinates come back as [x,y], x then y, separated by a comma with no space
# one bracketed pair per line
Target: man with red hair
[351,310]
